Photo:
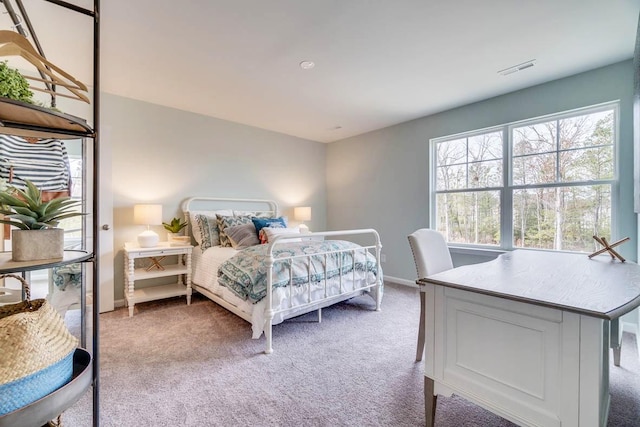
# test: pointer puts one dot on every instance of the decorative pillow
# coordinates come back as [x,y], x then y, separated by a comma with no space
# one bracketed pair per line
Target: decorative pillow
[225,222]
[242,236]
[260,223]
[207,235]
[269,233]
[200,234]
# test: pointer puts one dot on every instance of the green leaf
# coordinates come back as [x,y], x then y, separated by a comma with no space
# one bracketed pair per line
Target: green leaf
[25,207]
[18,224]
[25,211]
[8,199]
[175,225]
[13,85]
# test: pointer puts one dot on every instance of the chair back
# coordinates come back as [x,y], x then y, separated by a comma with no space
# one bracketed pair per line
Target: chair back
[430,252]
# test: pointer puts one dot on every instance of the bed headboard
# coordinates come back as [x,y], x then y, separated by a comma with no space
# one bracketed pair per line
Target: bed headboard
[218,203]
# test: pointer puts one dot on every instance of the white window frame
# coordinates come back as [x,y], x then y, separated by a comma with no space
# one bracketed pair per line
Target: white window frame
[507,189]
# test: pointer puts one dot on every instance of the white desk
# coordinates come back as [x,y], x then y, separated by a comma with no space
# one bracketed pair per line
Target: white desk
[526,336]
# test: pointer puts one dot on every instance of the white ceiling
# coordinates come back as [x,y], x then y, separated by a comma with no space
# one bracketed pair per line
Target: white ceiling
[378,62]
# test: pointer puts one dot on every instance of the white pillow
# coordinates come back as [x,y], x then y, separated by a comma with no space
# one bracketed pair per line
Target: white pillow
[271,233]
[198,233]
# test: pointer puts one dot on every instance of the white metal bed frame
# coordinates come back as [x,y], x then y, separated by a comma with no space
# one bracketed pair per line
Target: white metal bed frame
[312,304]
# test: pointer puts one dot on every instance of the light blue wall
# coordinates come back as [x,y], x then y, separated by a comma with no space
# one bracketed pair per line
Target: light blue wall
[381,179]
[164,155]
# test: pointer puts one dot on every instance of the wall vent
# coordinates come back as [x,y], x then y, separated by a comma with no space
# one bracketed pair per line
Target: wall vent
[516,68]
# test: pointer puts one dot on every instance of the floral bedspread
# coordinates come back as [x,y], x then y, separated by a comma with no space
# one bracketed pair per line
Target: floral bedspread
[246,272]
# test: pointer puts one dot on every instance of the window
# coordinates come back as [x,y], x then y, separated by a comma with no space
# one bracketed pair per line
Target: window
[544,183]
[73,227]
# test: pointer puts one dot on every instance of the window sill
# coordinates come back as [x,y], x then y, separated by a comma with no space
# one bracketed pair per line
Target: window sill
[483,252]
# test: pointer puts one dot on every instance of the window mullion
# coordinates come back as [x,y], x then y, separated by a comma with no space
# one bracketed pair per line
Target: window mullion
[558,177]
[467,161]
[506,194]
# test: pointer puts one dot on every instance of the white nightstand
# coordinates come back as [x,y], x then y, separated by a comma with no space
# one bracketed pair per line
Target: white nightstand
[155,269]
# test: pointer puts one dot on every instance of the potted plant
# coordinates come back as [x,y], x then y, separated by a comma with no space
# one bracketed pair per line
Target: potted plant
[174,227]
[37,236]
[13,85]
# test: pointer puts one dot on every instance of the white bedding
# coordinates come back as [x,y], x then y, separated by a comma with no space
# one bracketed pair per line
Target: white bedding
[205,266]
[205,275]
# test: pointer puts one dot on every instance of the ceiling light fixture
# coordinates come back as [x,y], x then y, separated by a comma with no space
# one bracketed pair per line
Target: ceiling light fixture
[307,65]
[517,68]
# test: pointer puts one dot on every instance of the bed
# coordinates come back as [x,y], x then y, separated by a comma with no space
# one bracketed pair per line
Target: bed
[287,274]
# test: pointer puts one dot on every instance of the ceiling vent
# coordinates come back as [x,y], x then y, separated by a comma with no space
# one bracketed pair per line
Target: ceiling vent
[517,68]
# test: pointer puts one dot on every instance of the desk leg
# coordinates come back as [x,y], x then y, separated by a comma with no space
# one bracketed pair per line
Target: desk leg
[430,401]
[616,340]
[594,372]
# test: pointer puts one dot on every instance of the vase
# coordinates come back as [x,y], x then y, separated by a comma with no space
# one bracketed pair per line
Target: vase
[34,245]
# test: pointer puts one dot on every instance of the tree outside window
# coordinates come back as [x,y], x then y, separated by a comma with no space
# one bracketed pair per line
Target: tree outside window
[543,184]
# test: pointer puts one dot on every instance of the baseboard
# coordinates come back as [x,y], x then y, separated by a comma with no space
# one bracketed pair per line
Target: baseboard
[119,303]
[399,281]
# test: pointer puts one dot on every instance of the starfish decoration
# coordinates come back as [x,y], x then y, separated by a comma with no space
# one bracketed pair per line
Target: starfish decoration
[608,247]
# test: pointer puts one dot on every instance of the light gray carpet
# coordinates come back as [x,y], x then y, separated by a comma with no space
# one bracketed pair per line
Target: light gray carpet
[173,365]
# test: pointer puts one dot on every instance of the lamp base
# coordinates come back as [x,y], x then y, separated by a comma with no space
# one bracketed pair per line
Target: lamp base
[148,239]
[303,228]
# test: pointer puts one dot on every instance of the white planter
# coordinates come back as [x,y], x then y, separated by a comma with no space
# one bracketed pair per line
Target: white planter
[175,239]
[33,245]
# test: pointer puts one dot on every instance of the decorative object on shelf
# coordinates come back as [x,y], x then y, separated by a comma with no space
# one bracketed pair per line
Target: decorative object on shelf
[302,213]
[37,351]
[13,85]
[148,215]
[37,236]
[155,262]
[14,44]
[175,226]
[173,232]
[608,247]
[177,240]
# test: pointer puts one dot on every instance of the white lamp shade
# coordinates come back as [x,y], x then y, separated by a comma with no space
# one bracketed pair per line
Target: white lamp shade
[147,214]
[302,213]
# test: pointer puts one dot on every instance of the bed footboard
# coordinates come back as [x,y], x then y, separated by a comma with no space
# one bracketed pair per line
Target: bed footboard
[360,257]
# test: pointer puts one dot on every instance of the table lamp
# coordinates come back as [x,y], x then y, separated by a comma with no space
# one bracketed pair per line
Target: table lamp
[147,215]
[302,213]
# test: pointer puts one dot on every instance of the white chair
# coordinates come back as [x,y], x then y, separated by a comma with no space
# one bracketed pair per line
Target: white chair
[431,256]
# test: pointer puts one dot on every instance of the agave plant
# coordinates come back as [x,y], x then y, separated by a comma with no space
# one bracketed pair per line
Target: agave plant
[26,210]
[174,226]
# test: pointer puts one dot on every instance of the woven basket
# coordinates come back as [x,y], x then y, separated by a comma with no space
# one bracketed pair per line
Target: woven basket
[37,351]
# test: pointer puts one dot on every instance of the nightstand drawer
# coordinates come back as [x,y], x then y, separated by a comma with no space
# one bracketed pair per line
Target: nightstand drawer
[155,252]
